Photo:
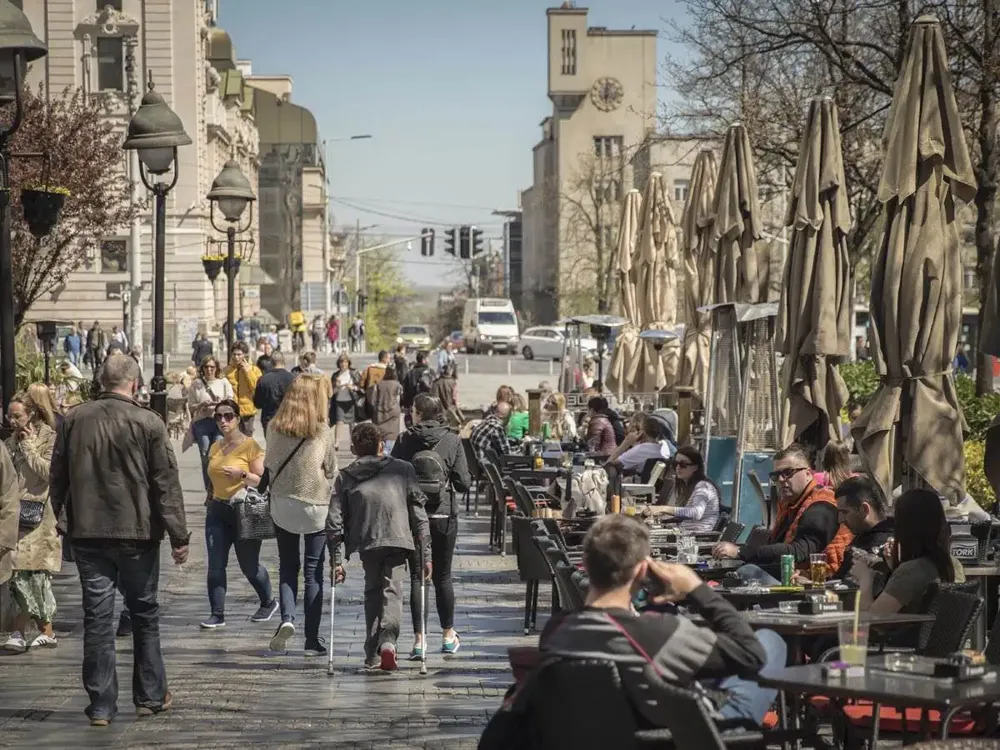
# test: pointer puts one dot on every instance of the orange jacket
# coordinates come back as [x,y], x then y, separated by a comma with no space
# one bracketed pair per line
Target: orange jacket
[813,494]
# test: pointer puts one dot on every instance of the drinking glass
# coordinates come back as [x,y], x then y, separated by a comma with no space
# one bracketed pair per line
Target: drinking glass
[817,568]
[853,645]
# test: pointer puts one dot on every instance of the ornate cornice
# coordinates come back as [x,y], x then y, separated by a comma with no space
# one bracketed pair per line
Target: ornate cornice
[107,22]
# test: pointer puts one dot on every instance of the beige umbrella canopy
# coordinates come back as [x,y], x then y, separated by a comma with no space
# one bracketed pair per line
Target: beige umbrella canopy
[699,271]
[916,296]
[740,275]
[814,316]
[655,266]
[625,359]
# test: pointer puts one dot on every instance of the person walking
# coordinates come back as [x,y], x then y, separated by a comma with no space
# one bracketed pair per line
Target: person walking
[39,550]
[347,395]
[333,333]
[208,389]
[445,390]
[384,405]
[243,376]
[318,328]
[271,389]
[234,463]
[114,475]
[377,510]
[438,458]
[97,344]
[300,464]
[73,345]
[201,347]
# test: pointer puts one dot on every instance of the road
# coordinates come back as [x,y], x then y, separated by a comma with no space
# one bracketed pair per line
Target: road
[231,692]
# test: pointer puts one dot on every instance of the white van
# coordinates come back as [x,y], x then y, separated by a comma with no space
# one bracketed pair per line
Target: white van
[489,325]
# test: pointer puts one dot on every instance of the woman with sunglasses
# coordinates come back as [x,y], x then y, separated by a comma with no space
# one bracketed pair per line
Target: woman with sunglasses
[208,389]
[234,463]
[695,499]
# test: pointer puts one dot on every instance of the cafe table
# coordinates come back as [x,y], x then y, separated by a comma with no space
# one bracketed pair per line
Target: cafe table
[746,597]
[885,688]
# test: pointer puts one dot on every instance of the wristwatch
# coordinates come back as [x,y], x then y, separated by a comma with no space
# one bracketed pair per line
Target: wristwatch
[243,476]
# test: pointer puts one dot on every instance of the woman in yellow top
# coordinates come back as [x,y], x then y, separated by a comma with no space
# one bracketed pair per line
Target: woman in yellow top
[235,462]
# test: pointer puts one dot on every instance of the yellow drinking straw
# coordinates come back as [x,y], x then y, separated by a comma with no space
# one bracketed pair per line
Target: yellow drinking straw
[857,614]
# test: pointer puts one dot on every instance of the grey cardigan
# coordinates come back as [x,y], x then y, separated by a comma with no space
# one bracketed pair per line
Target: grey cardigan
[309,476]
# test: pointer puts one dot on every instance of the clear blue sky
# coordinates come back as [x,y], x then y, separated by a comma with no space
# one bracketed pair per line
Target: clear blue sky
[452,92]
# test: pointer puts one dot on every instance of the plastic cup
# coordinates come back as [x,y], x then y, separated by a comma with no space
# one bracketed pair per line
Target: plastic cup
[853,646]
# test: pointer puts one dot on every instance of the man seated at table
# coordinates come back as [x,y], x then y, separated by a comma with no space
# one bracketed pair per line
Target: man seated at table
[717,659]
[492,432]
[807,523]
[861,508]
[655,442]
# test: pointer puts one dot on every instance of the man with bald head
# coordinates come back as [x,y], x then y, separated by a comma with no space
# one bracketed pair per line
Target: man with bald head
[492,431]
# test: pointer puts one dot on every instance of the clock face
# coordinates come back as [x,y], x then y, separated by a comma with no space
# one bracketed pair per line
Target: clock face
[607,94]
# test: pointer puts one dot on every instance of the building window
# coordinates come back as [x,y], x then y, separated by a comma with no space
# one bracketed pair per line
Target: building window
[608,147]
[609,190]
[569,52]
[681,190]
[110,64]
[114,256]
[102,4]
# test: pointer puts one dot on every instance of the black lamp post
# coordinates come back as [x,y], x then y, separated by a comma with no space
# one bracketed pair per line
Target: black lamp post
[18,47]
[155,131]
[232,192]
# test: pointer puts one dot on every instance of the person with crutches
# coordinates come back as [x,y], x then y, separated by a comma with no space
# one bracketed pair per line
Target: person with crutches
[377,510]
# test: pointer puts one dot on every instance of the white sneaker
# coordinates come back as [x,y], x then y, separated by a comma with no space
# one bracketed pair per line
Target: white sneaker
[15,643]
[44,641]
[280,638]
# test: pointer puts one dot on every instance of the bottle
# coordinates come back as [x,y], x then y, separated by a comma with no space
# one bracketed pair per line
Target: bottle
[616,504]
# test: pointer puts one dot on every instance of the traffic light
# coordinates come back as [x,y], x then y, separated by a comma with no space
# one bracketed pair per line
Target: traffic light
[464,246]
[477,241]
[449,241]
[426,242]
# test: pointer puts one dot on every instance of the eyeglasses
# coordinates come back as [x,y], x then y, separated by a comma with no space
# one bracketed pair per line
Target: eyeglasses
[785,474]
[683,464]
[224,416]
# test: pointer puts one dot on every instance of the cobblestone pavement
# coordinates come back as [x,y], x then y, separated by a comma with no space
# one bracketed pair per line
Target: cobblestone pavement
[230,691]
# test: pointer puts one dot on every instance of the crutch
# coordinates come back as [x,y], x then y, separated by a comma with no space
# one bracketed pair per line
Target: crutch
[423,609]
[329,646]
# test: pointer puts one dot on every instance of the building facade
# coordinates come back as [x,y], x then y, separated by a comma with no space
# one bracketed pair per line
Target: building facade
[296,251]
[192,64]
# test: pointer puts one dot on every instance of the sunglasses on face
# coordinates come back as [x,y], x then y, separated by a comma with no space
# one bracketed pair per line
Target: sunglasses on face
[786,474]
[224,416]
[683,464]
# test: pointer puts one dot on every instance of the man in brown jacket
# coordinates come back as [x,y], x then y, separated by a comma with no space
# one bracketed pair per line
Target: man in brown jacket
[115,475]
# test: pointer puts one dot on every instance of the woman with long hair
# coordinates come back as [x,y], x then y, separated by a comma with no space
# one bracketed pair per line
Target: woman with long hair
[445,390]
[38,554]
[836,465]
[518,424]
[385,409]
[301,464]
[346,383]
[234,463]
[206,390]
[919,557]
[558,423]
[695,499]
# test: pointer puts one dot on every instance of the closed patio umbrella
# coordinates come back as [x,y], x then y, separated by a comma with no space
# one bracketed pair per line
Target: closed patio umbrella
[698,256]
[916,296]
[740,275]
[814,316]
[624,360]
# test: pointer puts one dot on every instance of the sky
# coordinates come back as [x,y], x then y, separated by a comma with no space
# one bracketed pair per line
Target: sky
[451,91]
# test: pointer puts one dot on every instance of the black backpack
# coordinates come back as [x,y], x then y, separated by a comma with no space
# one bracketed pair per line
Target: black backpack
[432,476]
[425,381]
[617,425]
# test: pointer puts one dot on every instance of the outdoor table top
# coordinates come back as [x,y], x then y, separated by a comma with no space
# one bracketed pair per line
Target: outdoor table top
[982,570]
[803,625]
[899,690]
[717,570]
[742,597]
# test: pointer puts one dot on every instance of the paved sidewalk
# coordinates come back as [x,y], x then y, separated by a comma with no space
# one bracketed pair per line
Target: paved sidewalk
[231,692]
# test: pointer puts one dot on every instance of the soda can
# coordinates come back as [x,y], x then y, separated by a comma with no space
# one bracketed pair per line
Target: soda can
[787,569]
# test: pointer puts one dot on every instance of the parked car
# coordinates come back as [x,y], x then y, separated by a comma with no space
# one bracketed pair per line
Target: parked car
[415,337]
[457,340]
[547,342]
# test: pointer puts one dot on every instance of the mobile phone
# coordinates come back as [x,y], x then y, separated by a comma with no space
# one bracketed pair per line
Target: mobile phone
[654,586]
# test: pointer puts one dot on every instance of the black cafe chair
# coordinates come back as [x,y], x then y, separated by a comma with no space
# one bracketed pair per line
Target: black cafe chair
[532,567]
[476,473]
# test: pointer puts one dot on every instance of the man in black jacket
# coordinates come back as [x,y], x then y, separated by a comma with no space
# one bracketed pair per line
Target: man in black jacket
[271,387]
[861,507]
[115,475]
[441,476]
[416,381]
[715,659]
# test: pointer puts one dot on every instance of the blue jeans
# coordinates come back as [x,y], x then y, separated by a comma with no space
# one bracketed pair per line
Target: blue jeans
[136,568]
[747,699]
[220,536]
[754,573]
[205,432]
[312,571]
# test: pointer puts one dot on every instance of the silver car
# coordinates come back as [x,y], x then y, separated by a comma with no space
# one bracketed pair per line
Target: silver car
[547,342]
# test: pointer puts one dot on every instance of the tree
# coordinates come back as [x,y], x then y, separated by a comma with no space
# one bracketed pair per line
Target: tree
[83,155]
[387,294]
[760,60]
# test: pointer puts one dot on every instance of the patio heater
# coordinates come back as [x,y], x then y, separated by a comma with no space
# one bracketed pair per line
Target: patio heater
[742,409]
[601,329]
[659,338]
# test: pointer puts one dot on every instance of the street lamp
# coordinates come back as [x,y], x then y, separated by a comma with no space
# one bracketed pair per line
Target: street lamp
[155,132]
[232,192]
[18,47]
